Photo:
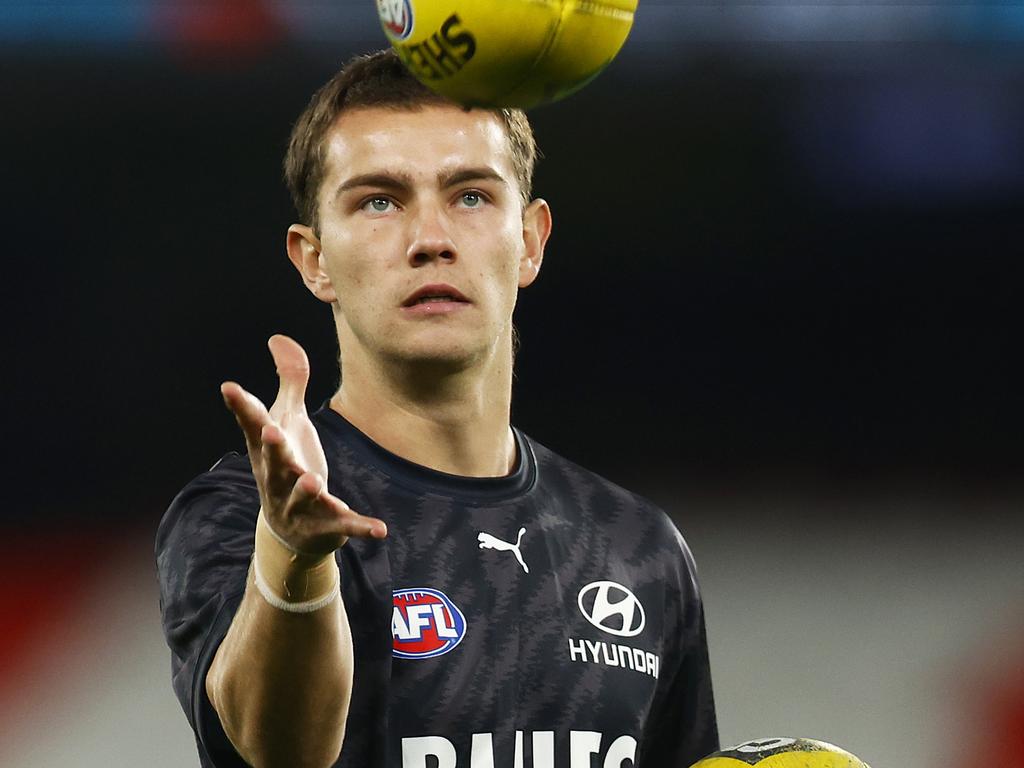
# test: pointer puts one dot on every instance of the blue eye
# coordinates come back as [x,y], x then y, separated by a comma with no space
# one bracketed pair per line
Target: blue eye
[378,204]
[472,199]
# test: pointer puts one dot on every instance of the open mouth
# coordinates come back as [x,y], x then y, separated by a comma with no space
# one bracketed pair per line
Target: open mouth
[435,294]
[432,299]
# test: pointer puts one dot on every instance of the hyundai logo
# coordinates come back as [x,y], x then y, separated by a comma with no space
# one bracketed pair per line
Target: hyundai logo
[612,608]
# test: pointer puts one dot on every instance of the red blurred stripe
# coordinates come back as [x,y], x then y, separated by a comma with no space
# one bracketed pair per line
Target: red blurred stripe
[43,579]
[221,29]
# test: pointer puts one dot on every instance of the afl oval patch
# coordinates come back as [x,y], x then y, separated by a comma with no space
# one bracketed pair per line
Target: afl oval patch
[425,623]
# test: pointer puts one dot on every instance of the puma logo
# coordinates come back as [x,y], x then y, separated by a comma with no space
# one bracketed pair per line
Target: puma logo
[490,542]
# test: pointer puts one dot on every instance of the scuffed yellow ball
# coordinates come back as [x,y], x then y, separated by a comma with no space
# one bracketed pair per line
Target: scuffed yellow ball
[782,753]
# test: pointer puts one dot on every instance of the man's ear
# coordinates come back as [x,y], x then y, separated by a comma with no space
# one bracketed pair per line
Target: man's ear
[304,252]
[536,230]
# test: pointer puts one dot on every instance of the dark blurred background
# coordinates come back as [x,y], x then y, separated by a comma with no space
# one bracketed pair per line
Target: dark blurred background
[781,299]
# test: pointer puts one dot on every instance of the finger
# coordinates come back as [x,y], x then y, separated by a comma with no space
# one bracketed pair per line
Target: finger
[330,522]
[292,371]
[311,489]
[249,412]
[355,524]
[281,464]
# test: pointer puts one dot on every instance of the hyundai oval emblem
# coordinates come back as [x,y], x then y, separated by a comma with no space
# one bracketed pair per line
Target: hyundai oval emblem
[612,608]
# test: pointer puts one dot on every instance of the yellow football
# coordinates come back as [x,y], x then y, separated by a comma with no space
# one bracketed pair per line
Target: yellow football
[782,753]
[506,53]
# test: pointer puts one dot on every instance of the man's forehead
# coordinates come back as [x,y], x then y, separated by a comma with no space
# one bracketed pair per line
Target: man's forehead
[427,137]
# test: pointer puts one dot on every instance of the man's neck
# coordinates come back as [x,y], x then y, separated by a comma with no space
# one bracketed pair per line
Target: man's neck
[454,422]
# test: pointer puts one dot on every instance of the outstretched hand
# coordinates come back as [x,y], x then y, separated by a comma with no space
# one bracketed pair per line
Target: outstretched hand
[288,460]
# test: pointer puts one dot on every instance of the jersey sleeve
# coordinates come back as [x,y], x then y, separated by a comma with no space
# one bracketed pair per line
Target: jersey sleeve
[203,548]
[682,727]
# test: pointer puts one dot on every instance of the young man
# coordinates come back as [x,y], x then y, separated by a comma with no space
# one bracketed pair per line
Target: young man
[499,606]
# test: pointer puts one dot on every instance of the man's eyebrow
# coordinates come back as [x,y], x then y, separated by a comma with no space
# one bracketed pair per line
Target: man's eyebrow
[398,181]
[392,181]
[447,179]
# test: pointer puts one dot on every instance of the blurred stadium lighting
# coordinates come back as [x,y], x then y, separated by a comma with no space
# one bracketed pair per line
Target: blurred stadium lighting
[658,23]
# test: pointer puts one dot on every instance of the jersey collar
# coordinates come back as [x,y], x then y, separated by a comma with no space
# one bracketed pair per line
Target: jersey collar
[421,479]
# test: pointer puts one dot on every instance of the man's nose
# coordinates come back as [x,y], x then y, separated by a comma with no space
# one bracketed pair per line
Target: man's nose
[431,236]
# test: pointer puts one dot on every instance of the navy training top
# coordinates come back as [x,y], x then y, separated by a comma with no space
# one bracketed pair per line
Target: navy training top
[547,619]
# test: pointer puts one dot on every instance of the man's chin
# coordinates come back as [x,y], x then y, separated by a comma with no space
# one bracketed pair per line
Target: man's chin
[438,359]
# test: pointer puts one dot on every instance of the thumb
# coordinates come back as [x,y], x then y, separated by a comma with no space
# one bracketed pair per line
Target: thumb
[292,371]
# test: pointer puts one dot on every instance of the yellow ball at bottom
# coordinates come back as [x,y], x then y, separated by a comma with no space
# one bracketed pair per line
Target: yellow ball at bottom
[782,753]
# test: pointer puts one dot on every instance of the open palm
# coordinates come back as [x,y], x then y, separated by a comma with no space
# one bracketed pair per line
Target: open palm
[288,460]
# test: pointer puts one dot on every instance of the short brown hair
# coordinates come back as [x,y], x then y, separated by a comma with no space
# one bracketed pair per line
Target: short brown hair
[378,80]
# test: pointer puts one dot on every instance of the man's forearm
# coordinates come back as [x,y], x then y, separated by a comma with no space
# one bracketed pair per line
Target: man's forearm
[281,682]
[282,679]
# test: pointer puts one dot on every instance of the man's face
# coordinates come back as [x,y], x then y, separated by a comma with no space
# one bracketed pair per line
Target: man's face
[423,242]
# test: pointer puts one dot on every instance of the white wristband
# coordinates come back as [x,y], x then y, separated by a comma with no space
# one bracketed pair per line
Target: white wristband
[307,607]
[289,579]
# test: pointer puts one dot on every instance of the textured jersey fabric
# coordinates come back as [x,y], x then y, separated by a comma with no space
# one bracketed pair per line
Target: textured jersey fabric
[547,619]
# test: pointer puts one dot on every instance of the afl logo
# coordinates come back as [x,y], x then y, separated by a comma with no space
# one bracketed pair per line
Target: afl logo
[396,17]
[425,623]
[612,608]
